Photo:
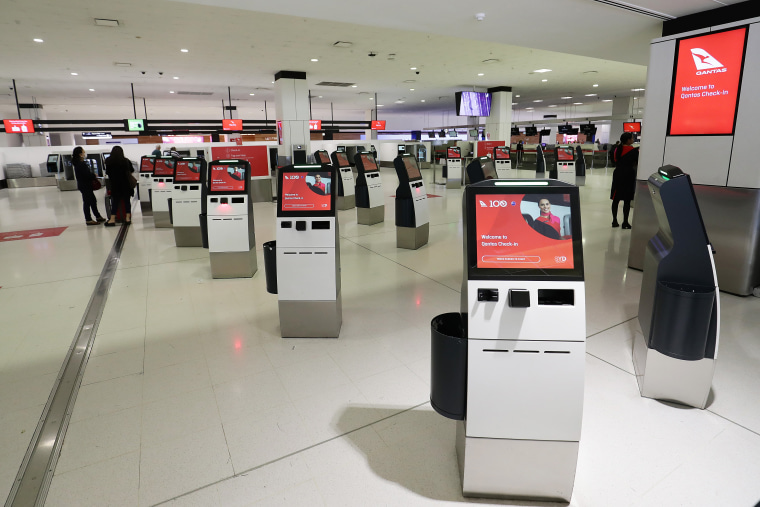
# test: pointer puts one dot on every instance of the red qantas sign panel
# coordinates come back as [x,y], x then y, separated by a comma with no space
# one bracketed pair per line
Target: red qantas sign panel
[315,124]
[632,127]
[306,191]
[18,126]
[32,234]
[506,240]
[257,156]
[485,148]
[706,86]
[227,178]
[232,124]
[378,125]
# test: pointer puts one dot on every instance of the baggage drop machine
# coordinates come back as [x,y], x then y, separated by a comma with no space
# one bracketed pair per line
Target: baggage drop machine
[517,348]
[370,201]
[565,156]
[676,345]
[502,163]
[453,167]
[307,253]
[412,222]
[188,200]
[161,190]
[147,165]
[231,237]
[346,185]
[68,180]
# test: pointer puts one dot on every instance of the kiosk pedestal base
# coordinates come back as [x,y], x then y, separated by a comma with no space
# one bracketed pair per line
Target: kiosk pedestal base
[453,183]
[518,469]
[346,202]
[311,319]
[161,219]
[370,216]
[188,236]
[146,208]
[665,378]
[66,185]
[412,237]
[233,264]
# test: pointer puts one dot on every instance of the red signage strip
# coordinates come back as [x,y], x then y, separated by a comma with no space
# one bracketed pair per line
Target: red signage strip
[18,126]
[232,124]
[315,124]
[32,234]
[378,125]
[257,156]
[706,85]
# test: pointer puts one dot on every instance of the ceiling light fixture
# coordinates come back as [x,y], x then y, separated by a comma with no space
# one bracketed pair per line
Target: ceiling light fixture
[38,40]
[539,100]
[184,50]
[412,68]
[411,89]
[315,59]
[74,74]
[637,89]
[251,94]
[606,100]
[92,89]
[517,96]
[544,80]
[320,97]
[481,74]
[565,98]
[371,98]
[379,105]
[552,105]
[595,85]
[577,103]
[591,95]
[175,77]
[170,91]
[354,86]
[541,71]
[528,108]
[423,100]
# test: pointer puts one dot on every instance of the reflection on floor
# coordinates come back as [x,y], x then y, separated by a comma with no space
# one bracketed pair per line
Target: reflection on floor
[192,398]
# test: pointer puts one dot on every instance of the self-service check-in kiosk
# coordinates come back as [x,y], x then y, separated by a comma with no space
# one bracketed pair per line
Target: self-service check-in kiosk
[453,167]
[412,217]
[231,238]
[346,185]
[53,164]
[161,190]
[675,348]
[307,253]
[565,164]
[147,164]
[188,200]
[501,162]
[481,169]
[68,180]
[510,366]
[370,201]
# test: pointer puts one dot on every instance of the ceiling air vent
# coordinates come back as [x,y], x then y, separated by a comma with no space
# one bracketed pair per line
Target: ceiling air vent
[113,23]
[331,83]
[343,44]
[195,93]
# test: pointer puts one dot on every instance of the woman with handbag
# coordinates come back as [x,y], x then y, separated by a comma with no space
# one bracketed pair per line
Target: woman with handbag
[87,183]
[119,170]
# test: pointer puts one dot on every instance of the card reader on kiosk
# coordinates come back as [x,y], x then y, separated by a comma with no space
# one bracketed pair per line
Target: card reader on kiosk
[231,237]
[188,200]
[307,252]
[346,185]
[676,345]
[565,164]
[412,222]
[517,347]
[144,190]
[370,201]
[161,190]
[501,162]
[453,167]
[481,169]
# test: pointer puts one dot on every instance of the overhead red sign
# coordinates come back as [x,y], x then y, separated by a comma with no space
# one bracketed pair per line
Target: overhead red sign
[257,156]
[632,127]
[32,234]
[232,124]
[706,87]
[378,125]
[18,126]
[485,148]
[315,124]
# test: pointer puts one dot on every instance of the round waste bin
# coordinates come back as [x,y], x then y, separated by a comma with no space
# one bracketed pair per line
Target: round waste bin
[681,320]
[270,266]
[448,365]
[204,229]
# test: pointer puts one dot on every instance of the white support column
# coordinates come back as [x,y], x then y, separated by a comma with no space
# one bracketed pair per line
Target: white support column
[499,124]
[292,109]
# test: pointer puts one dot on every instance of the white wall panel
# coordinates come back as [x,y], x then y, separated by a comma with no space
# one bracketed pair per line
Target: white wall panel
[655,124]
[704,158]
[744,171]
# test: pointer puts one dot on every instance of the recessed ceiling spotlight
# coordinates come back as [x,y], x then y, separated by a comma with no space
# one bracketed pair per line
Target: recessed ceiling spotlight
[171,91]
[528,108]
[184,50]
[481,74]
[552,105]
[379,105]
[411,89]
[544,80]
[272,82]
[371,98]
[541,71]
[315,59]
[74,74]
[565,98]
[517,96]
[400,101]
[175,77]
[251,94]
[539,100]
[577,103]
[591,95]
[637,89]
[354,86]
[423,100]
[319,97]
[514,103]
[595,85]
[606,100]
[92,89]
[412,68]
[38,40]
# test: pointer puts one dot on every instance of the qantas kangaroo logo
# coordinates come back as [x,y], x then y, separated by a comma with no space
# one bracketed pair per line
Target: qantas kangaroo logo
[706,63]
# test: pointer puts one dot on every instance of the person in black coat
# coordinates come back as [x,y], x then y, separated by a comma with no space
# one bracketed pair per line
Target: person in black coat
[118,169]
[84,184]
[626,159]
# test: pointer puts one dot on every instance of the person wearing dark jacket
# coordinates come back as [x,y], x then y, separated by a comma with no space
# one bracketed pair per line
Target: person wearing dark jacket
[118,169]
[626,159]
[84,185]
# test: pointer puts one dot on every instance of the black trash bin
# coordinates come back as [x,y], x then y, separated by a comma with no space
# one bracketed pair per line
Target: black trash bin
[270,266]
[203,218]
[448,365]
[681,320]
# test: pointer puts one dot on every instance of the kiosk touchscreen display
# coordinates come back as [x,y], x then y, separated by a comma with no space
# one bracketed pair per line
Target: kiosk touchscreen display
[565,154]
[519,231]
[187,171]
[501,153]
[164,167]
[411,169]
[368,162]
[453,153]
[52,159]
[147,164]
[306,191]
[342,159]
[227,178]
[323,157]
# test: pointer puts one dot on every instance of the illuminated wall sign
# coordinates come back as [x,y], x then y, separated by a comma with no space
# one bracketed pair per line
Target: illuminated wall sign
[18,126]
[378,125]
[135,125]
[315,124]
[708,70]
[97,135]
[232,124]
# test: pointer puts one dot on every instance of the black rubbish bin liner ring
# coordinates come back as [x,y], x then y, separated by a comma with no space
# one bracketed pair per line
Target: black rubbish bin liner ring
[270,266]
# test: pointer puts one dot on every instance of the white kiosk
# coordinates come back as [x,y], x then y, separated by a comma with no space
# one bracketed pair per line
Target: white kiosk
[565,164]
[370,201]
[412,222]
[453,167]
[147,164]
[307,253]
[231,237]
[346,185]
[188,200]
[501,162]
[519,356]
[161,191]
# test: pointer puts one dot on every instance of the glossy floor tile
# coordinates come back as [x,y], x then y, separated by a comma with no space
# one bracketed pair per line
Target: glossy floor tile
[192,398]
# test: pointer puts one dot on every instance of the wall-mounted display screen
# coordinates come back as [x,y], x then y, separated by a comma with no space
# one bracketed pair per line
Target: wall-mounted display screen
[501,153]
[322,157]
[708,70]
[411,168]
[52,159]
[452,133]
[454,152]
[473,133]
[187,171]
[632,127]
[232,124]
[473,103]
[164,167]
[147,164]
[18,126]
[368,162]
[227,178]
[315,124]
[515,131]
[306,191]
[564,129]
[565,154]
[135,125]
[531,131]
[342,159]
[378,125]
[523,231]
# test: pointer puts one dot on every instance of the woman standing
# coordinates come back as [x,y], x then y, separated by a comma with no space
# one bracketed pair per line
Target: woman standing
[84,185]
[118,168]
[626,159]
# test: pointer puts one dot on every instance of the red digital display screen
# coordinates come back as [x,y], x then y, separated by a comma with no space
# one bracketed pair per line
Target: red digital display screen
[20,126]
[227,178]
[632,127]
[565,154]
[501,153]
[453,153]
[164,167]
[323,157]
[368,162]
[411,168]
[706,85]
[315,124]
[342,159]
[232,124]
[146,164]
[378,125]
[306,191]
[187,171]
[507,239]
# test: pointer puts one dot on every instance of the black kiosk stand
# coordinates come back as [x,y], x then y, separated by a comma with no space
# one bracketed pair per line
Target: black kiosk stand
[674,350]
[370,201]
[412,222]
[346,185]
